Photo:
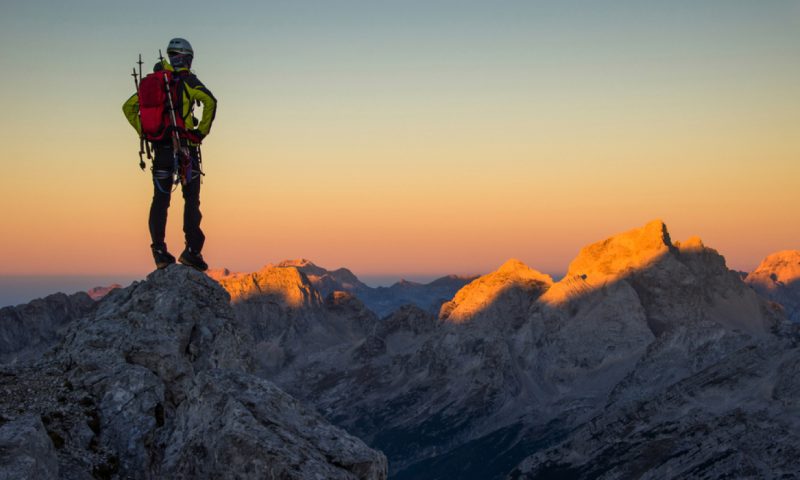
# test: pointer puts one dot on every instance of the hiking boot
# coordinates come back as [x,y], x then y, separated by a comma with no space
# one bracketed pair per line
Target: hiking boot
[193,259]
[162,257]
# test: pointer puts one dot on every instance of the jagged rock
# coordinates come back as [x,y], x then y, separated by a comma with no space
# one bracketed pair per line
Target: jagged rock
[517,363]
[778,279]
[234,426]
[735,419]
[25,450]
[287,287]
[410,362]
[97,293]
[381,300]
[288,332]
[326,281]
[676,284]
[28,330]
[706,328]
[617,256]
[279,305]
[650,359]
[147,361]
[514,284]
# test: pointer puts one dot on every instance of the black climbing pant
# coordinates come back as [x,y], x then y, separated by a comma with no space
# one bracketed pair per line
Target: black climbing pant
[163,167]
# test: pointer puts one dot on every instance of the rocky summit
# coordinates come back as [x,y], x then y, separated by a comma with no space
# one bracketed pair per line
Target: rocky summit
[778,278]
[156,381]
[512,283]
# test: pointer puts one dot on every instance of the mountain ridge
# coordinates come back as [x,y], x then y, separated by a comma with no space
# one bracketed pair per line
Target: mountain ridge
[381,300]
[516,385]
[541,356]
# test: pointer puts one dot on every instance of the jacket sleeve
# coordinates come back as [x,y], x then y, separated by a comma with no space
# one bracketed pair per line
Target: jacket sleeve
[131,110]
[198,92]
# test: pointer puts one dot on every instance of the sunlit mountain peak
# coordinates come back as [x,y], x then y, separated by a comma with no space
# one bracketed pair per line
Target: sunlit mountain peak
[512,278]
[285,286]
[615,256]
[783,266]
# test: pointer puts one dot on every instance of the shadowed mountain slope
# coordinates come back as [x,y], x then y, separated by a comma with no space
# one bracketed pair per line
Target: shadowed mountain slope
[516,363]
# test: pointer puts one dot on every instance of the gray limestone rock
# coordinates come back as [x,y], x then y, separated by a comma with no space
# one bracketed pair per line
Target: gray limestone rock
[234,426]
[161,372]
[738,418]
[26,451]
[515,363]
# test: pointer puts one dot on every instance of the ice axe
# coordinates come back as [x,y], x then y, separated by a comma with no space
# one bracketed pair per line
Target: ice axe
[136,77]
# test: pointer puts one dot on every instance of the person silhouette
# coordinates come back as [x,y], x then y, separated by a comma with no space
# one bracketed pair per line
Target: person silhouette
[182,140]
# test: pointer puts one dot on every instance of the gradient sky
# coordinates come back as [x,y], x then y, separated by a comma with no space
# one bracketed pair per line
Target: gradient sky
[407,136]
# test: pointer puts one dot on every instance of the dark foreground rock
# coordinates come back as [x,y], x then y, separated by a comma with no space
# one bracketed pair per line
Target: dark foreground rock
[156,383]
[25,449]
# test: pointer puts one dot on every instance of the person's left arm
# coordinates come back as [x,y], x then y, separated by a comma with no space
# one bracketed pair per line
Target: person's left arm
[198,92]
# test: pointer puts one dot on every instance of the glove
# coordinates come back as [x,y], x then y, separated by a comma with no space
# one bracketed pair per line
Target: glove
[198,134]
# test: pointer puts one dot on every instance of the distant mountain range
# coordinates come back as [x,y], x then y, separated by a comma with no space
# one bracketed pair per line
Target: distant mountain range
[649,359]
[513,362]
[381,300]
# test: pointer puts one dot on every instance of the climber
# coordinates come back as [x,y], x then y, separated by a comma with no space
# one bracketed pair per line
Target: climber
[168,124]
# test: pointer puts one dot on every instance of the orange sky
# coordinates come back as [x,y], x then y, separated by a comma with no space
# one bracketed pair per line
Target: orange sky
[427,143]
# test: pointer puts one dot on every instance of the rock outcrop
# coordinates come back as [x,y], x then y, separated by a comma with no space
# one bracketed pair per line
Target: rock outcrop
[622,254]
[514,283]
[696,402]
[738,418]
[284,286]
[26,450]
[327,281]
[778,278]
[97,293]
[157,382]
